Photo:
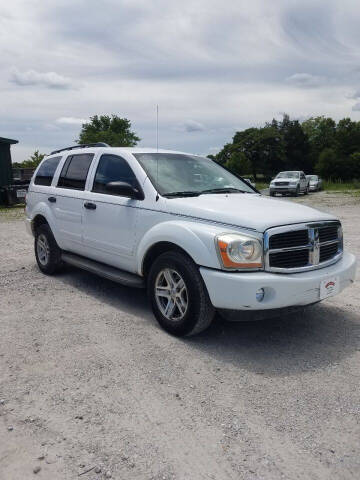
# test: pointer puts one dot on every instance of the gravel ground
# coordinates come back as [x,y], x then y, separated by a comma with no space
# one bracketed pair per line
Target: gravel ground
[89,382]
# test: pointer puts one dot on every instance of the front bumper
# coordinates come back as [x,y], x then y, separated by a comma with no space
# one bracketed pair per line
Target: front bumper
[283,189]
[236,290]
[28,225]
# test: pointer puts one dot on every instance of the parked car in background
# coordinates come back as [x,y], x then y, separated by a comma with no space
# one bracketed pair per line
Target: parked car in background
[293,182]
[315,182]
[196,236]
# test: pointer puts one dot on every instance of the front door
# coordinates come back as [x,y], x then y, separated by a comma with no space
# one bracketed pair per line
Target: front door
[109,221]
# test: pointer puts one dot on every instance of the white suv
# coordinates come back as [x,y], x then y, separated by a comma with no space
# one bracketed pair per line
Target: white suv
[198,237]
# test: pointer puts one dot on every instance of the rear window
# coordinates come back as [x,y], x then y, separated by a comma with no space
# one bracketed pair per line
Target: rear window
[75,170]
[46,171]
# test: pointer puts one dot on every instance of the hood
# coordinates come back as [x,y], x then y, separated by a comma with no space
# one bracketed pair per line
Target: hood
[285,179]
[245,210]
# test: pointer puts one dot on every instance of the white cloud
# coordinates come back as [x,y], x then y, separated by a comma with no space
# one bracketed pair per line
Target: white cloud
[355,95]
[33,78]
[190,126]
[356,107]
[71,120]
[306,80]
[222,68]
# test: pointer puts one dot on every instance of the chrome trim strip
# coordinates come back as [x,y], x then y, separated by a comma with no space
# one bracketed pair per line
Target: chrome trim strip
[313,246]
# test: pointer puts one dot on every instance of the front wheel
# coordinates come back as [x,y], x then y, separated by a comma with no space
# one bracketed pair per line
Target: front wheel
[178,295]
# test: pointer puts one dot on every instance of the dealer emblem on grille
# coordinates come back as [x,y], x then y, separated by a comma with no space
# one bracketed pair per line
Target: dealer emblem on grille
[314,253]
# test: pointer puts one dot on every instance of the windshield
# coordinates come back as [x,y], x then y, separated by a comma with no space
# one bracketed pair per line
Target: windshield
[173,173]
[312,178]
[288,175]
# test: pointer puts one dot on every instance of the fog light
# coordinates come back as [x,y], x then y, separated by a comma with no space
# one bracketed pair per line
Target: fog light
[260,294]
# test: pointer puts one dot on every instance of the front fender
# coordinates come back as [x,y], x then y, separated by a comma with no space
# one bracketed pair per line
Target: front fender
[197,239]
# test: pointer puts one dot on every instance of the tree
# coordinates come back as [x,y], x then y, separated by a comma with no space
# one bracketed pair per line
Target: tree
[113,130]
[31,162]
[321,134]
[354,166]
[327,164]
[263,147]
[347,137]
[239,164]
[224,155]
[297,145]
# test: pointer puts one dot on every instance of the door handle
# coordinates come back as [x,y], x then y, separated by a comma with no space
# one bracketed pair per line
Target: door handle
[90,205]
[52,199]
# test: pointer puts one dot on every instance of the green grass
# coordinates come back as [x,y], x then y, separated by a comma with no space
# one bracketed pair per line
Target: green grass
[261,185]
[11,213]
[339,186]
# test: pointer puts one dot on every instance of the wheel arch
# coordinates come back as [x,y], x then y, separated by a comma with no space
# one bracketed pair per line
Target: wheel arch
[38,220]
[193,240]
[156,250]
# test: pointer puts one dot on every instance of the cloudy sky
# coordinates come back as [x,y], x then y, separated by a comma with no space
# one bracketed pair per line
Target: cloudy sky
[213,66]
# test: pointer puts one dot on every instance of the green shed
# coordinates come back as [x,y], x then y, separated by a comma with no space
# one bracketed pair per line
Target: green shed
[5,164]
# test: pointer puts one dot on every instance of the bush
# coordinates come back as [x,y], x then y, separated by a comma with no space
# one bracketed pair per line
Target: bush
[331,166]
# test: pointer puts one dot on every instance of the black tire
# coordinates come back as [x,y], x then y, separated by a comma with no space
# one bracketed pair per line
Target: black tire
[306,191]
[272,194]
[51,262]
[296,194]
[199,312]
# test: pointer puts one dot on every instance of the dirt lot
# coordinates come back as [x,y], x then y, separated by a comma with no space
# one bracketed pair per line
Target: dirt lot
[87,379]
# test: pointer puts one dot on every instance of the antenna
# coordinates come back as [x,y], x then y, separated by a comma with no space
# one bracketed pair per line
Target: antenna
[157,149]
[157,128]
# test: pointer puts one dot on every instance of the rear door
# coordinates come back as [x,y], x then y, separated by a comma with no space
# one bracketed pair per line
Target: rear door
[109,229]
[69,200]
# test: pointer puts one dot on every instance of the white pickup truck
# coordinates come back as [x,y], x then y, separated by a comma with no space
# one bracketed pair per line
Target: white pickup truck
[196,236]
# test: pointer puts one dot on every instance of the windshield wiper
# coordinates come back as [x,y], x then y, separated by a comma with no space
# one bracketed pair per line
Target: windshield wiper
[185,193]
[224,190]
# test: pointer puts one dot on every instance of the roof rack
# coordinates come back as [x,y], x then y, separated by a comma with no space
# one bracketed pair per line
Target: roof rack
[85,145]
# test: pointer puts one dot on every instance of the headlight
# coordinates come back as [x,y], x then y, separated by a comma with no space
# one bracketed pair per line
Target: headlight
[340,237]
[293,183]
[239,251]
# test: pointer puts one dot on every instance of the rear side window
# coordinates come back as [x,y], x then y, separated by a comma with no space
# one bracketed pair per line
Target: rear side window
[75,170]
[112,168]
[46,171]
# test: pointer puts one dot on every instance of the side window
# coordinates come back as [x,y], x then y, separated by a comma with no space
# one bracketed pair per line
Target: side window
[75,170]
[46,172]
[112,168]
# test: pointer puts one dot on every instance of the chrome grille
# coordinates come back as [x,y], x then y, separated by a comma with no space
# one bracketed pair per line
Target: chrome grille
[293,238]
[302,247]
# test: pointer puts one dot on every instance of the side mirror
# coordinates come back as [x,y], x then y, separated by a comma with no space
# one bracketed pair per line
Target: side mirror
[124,189]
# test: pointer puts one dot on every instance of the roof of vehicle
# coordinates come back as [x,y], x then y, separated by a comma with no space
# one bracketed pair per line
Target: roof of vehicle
[132,150]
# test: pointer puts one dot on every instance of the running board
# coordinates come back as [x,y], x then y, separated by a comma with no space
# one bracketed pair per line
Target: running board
[111,273]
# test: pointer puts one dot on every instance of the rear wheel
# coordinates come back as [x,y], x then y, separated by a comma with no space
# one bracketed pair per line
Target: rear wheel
[178,295]
[47,251]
